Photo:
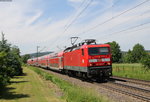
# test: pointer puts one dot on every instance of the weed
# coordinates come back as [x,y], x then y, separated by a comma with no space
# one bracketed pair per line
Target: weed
[135,71]
[72,92]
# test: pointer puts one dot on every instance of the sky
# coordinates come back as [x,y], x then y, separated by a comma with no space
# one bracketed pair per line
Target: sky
[49,24]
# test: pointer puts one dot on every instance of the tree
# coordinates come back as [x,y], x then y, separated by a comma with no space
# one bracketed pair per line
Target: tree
[146,62]
[4,78]
[25,58]
[4,69]
[138,53]
[128,58]
[15,60]
[10,64]
[116,52]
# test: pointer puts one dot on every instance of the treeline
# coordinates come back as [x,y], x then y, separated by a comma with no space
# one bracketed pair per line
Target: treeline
[32,55]
[10,61]
[136,55]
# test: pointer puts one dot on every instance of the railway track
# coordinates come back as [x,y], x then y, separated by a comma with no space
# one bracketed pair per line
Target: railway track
[122,88]
[136,92]
[132,87]
[126,92]
[130,80]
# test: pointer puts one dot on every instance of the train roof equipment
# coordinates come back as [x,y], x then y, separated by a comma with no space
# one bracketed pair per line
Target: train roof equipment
[84,42]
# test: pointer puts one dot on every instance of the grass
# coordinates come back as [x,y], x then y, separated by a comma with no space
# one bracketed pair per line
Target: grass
[131,71]
[72,93]
[30,88]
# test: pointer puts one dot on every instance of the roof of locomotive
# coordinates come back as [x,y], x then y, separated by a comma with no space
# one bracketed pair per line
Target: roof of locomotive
[95,45]
[75,47]
[85,44]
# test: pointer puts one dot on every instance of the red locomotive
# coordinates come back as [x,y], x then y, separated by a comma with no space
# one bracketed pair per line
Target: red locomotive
[86,59]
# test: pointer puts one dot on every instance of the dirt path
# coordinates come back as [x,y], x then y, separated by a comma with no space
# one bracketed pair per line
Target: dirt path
[30,88]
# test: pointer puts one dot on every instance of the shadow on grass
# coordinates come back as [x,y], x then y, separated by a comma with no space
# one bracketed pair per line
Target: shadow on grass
[24,74]
[20,76]
[16,82]
[7,94]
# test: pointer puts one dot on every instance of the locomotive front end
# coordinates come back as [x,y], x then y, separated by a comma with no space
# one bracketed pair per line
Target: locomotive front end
[99,61]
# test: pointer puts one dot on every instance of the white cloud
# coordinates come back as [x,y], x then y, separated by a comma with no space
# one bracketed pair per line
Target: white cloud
[33,18]
[75,1]
[129,19]
[17,25]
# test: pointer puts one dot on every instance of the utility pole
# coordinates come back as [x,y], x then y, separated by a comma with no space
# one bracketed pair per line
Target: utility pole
[3,38]
[37,53]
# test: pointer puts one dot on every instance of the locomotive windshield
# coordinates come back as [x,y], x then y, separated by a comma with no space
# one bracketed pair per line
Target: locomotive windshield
[98,51]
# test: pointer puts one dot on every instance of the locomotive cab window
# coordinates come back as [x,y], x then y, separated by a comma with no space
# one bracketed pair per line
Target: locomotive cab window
[98,51]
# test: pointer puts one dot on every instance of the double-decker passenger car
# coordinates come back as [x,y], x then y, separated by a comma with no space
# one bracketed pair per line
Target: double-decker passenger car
[86,59]
[56,61]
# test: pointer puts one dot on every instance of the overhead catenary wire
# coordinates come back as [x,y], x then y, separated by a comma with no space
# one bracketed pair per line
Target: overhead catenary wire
[82,4]
[130,28]
[92,28]
[127,33]
[42,49]
[100,12]
[114,17]
[77,11]
[85,9]
[133,18]
[139,29]
[80,13]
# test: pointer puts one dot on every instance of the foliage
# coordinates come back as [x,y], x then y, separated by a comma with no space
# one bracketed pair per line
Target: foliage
[4,78]
[146,62]
[128,58]
[9,61]
[116,52]
[25,58]
[135,55]
[138,53]
[15,60]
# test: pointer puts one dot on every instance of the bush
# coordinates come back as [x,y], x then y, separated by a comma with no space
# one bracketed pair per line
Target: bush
[10,64]
[25,58]
[116,52]
[146,62]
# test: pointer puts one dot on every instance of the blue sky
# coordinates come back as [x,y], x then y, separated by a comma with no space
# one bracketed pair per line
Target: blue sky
[31,23]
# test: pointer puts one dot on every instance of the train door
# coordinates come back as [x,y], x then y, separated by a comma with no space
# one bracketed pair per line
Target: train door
[60,63]
[82,57]
[78,59]
[47,64]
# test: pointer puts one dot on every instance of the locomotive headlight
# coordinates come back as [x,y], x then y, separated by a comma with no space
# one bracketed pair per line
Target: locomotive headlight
[93,60]
[105,59]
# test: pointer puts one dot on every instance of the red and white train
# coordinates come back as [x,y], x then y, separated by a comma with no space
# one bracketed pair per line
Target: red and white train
[86,59]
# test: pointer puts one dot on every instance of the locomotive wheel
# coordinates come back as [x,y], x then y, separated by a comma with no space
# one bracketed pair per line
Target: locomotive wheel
[70,73]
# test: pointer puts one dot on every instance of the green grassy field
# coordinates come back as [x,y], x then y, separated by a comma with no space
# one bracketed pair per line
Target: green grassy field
[39,86]
[30,88]
[72,93]
[131,71]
